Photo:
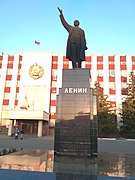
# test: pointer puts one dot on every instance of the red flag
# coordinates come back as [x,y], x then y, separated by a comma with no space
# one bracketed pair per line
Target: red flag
[37,42]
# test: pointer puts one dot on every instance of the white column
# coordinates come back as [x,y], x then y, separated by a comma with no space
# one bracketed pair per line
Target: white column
[70,65]
[40,126]
[83,64]
[118,80]
[10,129]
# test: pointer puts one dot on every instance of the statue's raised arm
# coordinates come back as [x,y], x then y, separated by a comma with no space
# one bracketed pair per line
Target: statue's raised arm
[63,21]
[60,10]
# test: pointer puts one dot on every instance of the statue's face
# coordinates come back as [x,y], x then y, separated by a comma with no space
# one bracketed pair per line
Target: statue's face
[76,23]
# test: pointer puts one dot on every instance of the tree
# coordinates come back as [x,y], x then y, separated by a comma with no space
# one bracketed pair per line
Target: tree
[128,109]
[107,122]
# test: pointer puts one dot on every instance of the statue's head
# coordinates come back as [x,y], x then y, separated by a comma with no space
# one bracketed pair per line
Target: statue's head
[76,23]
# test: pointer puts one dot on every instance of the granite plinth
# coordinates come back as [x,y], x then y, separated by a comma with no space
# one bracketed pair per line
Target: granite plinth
[76,117]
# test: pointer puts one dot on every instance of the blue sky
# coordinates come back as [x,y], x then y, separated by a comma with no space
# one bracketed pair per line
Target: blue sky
[108,24]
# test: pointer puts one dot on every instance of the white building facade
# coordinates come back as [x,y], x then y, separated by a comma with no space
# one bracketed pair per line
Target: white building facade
[30,82]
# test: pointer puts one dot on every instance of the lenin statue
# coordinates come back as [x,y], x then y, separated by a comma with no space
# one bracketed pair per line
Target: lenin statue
[76,43]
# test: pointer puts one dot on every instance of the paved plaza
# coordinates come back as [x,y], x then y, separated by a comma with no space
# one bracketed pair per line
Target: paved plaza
[28,142]
[113,155]
[126,146]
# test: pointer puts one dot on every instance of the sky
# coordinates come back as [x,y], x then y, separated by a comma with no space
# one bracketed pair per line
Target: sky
[109,25]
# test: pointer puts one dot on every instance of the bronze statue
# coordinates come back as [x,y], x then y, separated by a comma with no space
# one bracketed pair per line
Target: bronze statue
[76,43]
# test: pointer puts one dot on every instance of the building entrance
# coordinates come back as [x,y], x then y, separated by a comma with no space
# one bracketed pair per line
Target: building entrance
[29,127]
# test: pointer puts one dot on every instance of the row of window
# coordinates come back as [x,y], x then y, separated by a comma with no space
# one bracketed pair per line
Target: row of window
[110,62]
[8,83]
[98,62]
[112,73]
[112,85]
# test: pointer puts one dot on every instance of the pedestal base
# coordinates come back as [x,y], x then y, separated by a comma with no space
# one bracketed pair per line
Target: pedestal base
[76,120]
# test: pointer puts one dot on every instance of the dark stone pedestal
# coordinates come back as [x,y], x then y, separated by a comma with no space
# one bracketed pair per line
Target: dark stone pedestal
[76,120]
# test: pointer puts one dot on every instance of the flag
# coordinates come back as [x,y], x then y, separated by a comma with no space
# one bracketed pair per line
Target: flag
[37,42]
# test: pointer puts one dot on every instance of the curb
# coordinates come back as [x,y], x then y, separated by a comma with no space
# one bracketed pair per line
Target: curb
[115,139]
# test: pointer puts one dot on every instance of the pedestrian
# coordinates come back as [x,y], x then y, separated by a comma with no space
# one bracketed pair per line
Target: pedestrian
[17,132]
[76,43]
[21,133]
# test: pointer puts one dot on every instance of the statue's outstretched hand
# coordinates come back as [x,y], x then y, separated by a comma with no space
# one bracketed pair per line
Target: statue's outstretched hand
[60,10]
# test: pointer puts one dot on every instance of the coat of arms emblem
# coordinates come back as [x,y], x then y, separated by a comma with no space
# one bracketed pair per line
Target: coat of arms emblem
[36,71]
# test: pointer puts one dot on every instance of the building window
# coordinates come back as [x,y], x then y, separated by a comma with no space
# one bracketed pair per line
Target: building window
[88,62]
[99,58]
[122,62]
[111,91]
[54,58]
[88,59]
[9,77]
[10,58]
[65,62]
[55,62]
[111,73]
[1,57]
[10,62]
[53,90]
[6,102]
[10,66]
[100,62]
[100,73]
[53,103]
[113,104]
[7,89]
[19,66]
[124,91]
[54,78]
[111,62]
[17,89]
[16,102]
